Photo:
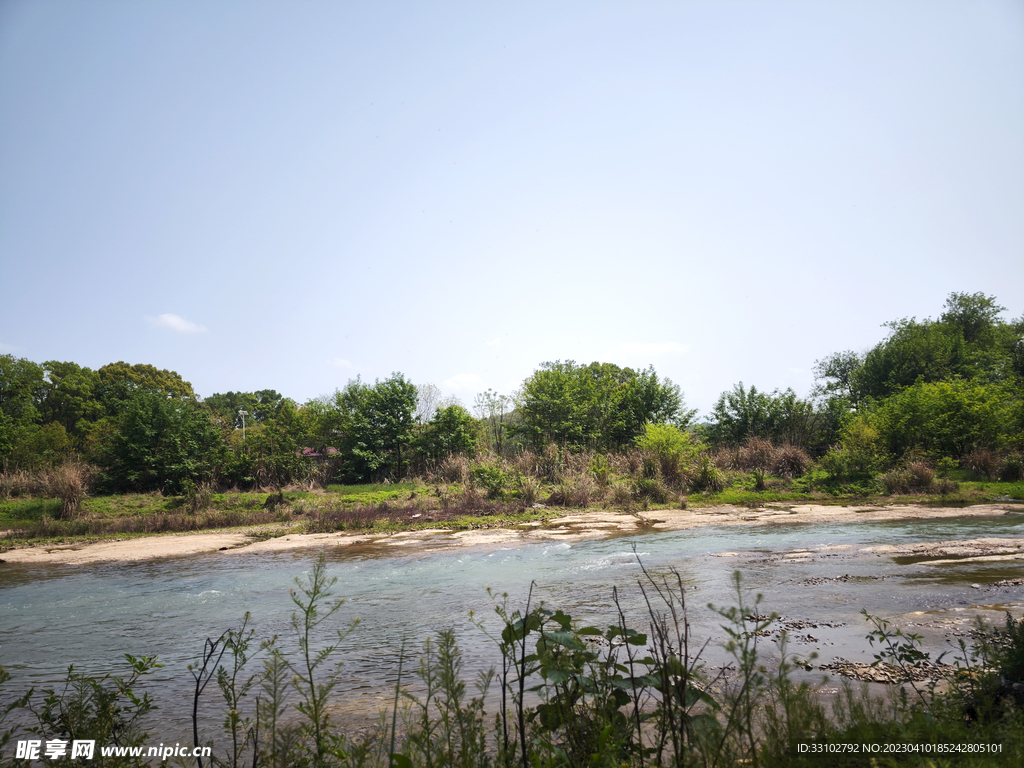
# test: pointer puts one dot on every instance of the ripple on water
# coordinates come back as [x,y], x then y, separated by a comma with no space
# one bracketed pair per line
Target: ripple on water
[91,615]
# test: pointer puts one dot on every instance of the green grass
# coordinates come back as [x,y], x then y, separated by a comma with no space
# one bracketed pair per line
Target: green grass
[373,493]
[35,520]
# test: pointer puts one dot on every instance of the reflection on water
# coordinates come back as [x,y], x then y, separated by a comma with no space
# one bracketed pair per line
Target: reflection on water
[90,615]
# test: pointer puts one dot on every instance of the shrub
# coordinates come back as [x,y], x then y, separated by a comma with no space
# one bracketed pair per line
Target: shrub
[984,462]
[529,490]
[650,490]
[915,477]
[672,449]
[621,495]
[790,461]
[1012,469]
[575,491]
[451,469]
[491,478]
[708,477]
[757,453]
[70,482]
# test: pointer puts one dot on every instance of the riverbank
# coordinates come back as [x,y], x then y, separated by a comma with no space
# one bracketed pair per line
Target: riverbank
[572,526]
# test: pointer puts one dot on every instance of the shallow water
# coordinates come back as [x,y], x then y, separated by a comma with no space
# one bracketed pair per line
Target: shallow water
[51,616]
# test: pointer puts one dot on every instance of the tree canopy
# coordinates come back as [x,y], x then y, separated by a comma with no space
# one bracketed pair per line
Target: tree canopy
[599,406]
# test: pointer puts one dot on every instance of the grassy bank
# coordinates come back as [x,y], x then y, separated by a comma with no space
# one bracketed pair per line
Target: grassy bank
[413,505]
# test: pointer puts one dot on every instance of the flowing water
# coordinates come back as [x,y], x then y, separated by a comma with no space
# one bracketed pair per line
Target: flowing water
[90,615]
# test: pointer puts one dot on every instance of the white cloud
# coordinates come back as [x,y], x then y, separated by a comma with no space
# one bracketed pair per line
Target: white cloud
[462,381]
[494,343]
[653,349]
[176,323]
[340,362]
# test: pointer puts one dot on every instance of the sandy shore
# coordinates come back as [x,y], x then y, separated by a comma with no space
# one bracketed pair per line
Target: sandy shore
[568,527]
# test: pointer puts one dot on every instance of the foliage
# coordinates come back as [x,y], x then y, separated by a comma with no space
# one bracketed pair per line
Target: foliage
[781,417]
[259,406]
[496,413]
[371,426]
[948,418]
[160,443]
[491,478]
[70,397]
[599,406]
[451,430]
[106,709]
[675,450]
[968,341]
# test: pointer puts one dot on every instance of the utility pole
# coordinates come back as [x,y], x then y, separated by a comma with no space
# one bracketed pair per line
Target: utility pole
[243,414]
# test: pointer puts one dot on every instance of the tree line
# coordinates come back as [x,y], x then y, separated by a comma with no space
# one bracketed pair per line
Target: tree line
[944,389]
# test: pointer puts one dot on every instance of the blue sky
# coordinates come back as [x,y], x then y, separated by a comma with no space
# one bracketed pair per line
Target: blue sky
[287,195]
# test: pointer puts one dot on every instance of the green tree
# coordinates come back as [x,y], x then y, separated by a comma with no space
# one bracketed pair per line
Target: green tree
[21,388]
[835,375]
[974,315]
[949,418]
[451,431]
[119,382]
[599,406]
[259,406]
[967,341]
[781,417]
[495,412]
[160,443]
[70,397]
[371,426]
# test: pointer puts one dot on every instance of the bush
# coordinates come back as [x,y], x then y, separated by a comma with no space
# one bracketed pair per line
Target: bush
[529,490]
[673,449]
[650,490]
[575,491]
[452,469]
[708,477]
[915,477]
[491,478]
[1012,469]
[984,462]
[791,461]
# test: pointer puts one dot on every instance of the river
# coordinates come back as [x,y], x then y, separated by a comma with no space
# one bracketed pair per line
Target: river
[90,615]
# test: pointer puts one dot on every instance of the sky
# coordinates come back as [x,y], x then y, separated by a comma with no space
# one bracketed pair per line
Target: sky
[289,195]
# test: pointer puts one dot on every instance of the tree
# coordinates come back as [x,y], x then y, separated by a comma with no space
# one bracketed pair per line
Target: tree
[973,314]
[600,406]
[119,381]
[370,425]
[259,406]
[429,400]
[949,418]
[495,411]
[452,430]
[836,372]
[967,341]
[160,443]
[781,417]
[21,388]
[70,397]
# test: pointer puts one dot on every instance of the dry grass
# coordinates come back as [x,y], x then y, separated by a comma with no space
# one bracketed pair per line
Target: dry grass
[913,478]
[143,524]
[68,482]
[451,469]
[579,489]
[760,454]
[326,519]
